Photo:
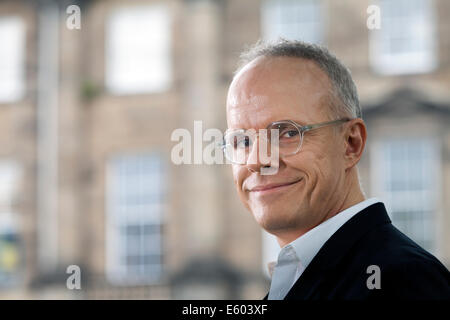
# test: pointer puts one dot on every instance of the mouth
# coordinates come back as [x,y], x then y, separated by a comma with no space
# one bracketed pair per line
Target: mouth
[273,187]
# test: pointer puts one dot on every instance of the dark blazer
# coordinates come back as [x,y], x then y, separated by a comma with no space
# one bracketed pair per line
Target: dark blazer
[339,270]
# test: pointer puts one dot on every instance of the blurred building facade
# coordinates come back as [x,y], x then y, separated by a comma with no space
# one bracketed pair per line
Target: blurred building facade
[86,121]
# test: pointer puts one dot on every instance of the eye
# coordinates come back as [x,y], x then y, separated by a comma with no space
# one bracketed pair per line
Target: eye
[241,142]
[289,134]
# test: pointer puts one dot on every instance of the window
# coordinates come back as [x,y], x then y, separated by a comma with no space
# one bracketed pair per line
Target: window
[405,43]
[9,237]
[292,19]
[405,178]
[12,69]
[134,219]
[138,50]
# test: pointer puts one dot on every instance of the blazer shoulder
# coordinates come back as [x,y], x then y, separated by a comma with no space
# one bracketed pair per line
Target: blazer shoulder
[389,245]
[392,244]
[407,270]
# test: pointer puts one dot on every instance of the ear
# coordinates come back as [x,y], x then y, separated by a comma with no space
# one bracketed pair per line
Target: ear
[355,140]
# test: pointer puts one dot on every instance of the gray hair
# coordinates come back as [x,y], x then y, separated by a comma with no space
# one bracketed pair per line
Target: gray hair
[343,87]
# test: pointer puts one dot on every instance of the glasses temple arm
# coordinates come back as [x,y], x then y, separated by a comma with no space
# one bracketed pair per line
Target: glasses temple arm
[323,124]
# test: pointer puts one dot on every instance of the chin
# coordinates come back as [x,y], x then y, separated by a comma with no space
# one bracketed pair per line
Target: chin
[273,220]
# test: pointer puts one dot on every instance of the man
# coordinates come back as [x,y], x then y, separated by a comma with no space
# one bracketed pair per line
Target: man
[335,243]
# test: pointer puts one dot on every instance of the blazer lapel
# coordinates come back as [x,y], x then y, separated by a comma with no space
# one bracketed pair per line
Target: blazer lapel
[336,248]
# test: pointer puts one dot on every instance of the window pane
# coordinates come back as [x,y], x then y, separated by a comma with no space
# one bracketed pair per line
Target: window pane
[292,19]
[138,50]
[405,43]
[135,197]
[10,249]
[12,49]
[408,182]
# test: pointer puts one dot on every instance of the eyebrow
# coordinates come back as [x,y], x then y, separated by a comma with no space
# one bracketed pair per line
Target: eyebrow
[300,122]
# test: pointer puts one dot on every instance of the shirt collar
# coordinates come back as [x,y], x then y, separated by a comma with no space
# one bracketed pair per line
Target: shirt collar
[309,244]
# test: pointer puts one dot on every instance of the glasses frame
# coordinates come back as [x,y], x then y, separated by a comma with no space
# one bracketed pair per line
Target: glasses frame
[301,129]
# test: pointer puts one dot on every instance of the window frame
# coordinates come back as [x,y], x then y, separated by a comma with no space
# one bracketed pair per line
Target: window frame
[18,63]
[116,249]
[267,20]
[404,63]
[377,178]
[115,81]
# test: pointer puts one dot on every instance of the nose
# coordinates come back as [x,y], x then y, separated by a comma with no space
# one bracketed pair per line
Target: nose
[254,163]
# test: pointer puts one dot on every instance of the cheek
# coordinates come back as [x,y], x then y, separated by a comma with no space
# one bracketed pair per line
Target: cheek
[314,166]
[235,171]
[238,177]
[324,172]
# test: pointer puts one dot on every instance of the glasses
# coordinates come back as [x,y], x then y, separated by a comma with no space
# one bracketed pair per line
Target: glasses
[286,135]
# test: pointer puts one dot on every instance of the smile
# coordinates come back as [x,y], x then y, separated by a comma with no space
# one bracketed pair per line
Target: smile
[270,188]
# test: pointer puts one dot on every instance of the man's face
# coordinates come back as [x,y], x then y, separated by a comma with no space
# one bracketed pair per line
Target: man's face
[307,185]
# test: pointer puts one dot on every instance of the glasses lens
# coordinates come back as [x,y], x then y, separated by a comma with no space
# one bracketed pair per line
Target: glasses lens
[289,138]
[237,145]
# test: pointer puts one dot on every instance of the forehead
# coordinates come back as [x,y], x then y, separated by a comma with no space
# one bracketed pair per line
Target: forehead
[277,88]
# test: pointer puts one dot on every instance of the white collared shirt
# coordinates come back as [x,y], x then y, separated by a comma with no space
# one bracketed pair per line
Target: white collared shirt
[308,245]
